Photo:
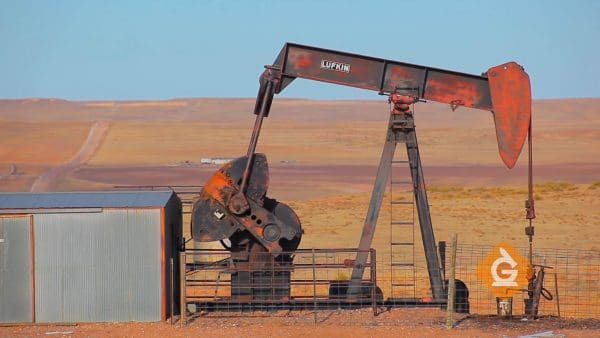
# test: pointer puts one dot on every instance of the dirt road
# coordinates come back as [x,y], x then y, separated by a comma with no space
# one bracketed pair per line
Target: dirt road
[47,181]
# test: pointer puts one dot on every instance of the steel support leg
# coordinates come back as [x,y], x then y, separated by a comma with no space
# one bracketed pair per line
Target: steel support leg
[416,170]
[366,239]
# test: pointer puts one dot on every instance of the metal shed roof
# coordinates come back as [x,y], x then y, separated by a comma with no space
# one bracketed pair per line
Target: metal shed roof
[84,199]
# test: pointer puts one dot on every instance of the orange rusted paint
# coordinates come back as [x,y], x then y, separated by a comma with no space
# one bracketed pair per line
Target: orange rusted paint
[403,77]
[401,103]
[454,89]
[511,99]
[215,186]
[304,62]
[505,89]
[213,218]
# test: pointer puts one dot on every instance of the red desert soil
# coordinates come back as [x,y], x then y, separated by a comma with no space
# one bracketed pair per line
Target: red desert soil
[346,323]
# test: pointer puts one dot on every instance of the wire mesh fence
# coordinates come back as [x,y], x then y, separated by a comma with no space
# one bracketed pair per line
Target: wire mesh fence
[572,281]
[318,281]
[305,279]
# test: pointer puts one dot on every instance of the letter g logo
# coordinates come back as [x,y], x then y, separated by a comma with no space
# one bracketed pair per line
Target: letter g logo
[512,273]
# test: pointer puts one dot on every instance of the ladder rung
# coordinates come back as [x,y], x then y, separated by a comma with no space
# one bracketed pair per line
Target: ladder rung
[403,264]
[402,243]
[401,223]
[402,284]
[402,202]
[400,161]
[401,182]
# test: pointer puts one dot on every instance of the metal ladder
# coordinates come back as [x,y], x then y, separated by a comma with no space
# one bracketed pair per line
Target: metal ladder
[402,232]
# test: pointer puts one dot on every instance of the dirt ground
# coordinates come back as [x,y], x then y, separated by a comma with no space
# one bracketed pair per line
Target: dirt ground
[347,323]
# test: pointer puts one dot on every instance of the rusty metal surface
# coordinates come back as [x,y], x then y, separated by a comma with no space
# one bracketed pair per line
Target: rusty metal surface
[386,76]
[504,89]
[511,98]
[270,223]
[210,220]
[228,208]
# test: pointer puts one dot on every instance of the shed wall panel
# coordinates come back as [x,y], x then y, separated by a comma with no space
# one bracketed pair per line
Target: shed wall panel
[98,266]
[15,269]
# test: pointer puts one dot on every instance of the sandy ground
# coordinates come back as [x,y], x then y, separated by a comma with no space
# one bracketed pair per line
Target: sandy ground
[348,323]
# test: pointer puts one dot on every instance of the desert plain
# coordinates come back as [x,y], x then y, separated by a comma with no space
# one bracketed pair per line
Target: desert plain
[323,157]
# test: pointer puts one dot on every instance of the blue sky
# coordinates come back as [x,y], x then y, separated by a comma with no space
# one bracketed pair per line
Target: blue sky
[165,49]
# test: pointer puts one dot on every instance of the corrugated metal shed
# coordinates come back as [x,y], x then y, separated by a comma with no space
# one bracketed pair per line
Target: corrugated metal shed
[88,256]
[15,269]
[87,199]
[110,266]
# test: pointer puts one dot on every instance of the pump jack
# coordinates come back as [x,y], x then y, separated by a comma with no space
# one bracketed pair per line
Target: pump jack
[233,203]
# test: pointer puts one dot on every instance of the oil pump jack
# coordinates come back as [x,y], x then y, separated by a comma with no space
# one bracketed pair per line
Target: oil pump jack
[233,204]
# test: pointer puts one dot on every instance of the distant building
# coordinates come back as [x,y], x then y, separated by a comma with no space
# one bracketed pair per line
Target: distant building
[216,160]
[222,160]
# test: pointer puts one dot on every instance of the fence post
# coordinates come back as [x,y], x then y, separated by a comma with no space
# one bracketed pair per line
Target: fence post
[451,284]
[182,303]
[556,293]
[374,281]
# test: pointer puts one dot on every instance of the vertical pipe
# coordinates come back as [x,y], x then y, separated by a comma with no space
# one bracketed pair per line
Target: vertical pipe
[373,267]
[537,291]
[530,164]
[314,286]
[530,203]
[171,290]
[182,291]
[451,284]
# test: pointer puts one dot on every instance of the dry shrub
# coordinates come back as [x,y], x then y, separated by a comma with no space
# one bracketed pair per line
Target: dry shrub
[594,186]
[445,188]
[555,187]
[341,275]
[452,191]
